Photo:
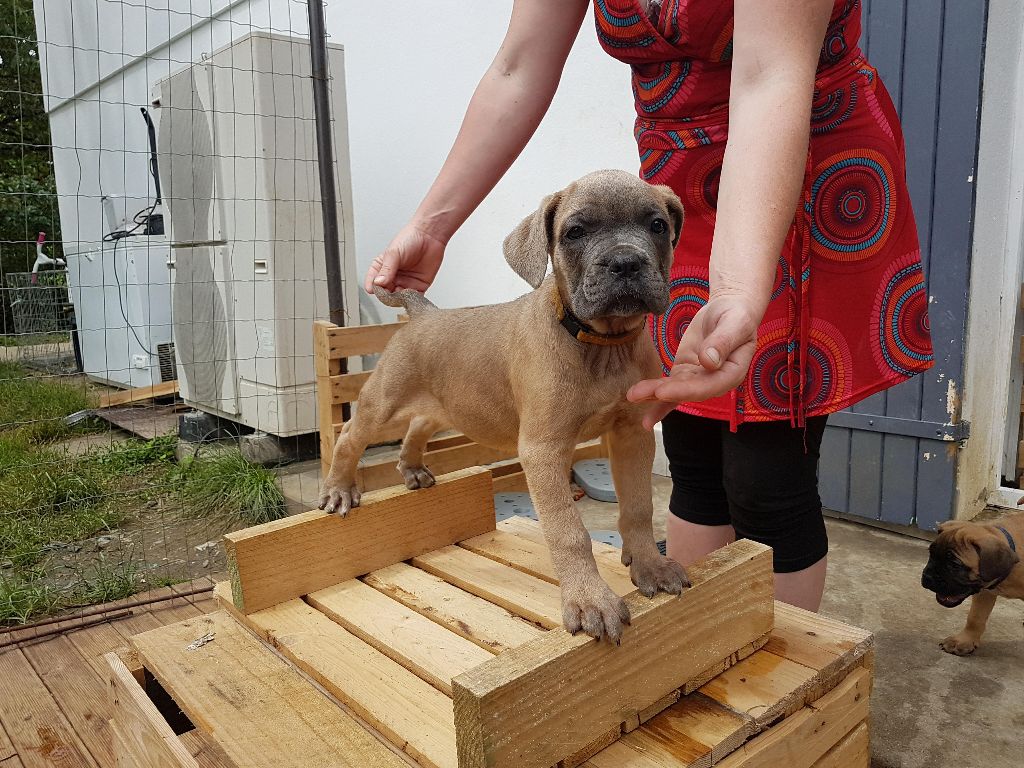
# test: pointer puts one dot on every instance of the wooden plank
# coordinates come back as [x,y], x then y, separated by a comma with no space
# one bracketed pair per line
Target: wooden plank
[7,750]
[260,710]
[801,740]
[79,691]
[37,728]
[382,474]
[429,650]
[520,593]
[854,751]
[475,619]
[345,387]
[288,558]
[519,542]
[140,737]
[357,340]
[516,482]
[410,713]
[764,686]
[139,394]
[204,750]
[539,703]
[817,641]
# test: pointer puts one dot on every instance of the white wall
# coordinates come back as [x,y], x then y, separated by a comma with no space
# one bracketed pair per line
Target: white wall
[411,70]
[410,75]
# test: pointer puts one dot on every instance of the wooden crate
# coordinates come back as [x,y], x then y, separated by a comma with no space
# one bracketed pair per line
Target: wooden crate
[333,345]
[418,632]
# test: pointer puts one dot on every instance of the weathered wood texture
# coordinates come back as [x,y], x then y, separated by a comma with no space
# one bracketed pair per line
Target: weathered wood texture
[260,710]
[140,736]
[287,558]
[539,703]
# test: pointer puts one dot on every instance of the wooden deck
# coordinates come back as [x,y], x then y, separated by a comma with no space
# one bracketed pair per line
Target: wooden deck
[54,705]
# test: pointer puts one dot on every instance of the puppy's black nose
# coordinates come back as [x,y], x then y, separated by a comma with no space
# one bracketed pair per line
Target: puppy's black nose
[624,264]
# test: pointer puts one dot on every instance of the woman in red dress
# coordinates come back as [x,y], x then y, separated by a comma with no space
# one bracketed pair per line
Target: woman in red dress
[797,289]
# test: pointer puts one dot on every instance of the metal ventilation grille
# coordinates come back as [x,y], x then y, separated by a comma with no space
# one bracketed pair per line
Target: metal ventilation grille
[168,364]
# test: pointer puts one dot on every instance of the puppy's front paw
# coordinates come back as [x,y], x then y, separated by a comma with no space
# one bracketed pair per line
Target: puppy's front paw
[658,574]
[960,645]
[415,477]
[335,497]
[596,610]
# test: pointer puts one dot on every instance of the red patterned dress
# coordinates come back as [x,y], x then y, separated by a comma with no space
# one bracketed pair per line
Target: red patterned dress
[849,313]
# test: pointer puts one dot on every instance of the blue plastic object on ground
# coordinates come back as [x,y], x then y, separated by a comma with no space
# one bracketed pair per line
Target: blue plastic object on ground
[594,476]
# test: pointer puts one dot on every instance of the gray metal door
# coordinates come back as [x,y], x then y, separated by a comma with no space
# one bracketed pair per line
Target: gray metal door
[893,457]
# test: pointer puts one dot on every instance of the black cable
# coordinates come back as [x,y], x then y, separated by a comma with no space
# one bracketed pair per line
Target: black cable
[153,167]
[120,301]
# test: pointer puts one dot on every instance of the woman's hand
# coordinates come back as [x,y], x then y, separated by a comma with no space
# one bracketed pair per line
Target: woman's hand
[411,260]
[713,357]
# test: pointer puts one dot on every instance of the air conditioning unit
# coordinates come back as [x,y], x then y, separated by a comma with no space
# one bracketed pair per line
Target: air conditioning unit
[238,166]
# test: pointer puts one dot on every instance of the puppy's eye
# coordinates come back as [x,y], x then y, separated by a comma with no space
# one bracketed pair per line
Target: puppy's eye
[659,226]
[575,232]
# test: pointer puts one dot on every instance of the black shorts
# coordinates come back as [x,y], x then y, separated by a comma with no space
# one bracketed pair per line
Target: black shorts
[762,480]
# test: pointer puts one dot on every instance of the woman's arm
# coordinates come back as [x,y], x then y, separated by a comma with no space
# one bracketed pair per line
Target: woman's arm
[776,45]
[505,110]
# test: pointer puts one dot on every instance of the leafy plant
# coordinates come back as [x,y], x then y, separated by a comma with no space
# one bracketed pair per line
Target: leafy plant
[225,485]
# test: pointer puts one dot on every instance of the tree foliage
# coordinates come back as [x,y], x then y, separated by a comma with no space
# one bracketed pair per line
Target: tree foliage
[28,193]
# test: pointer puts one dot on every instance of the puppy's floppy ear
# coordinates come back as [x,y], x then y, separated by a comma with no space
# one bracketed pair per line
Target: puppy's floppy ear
[995,558]
[675,211]
[532,242]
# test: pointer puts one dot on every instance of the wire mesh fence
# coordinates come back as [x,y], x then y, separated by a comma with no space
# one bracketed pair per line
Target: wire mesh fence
[160,235]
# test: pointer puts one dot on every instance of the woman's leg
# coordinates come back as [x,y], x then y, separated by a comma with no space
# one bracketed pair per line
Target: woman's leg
[689,542]
[698,520]
[770,473]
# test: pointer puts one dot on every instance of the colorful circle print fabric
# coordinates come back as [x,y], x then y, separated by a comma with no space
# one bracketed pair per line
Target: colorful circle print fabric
[849,310]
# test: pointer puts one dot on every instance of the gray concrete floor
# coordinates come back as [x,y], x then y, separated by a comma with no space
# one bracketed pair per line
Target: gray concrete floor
[929,709]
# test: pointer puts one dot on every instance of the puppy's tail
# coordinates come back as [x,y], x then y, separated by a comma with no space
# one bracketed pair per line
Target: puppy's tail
[413,302]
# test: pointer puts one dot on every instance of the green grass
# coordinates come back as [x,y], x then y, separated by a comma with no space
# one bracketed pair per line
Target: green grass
[25,595]
[109,581]
[35,406]
[224,485]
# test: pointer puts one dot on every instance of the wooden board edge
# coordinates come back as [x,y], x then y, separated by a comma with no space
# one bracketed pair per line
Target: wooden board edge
[542,657]
[473,482]
[735,658]
[137,724]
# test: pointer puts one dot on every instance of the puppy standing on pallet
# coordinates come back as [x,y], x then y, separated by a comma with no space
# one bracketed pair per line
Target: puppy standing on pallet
[540,374]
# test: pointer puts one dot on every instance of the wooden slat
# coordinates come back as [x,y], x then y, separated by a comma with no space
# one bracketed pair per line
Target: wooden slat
[539,703]
[799,741]
[382,474]
[764,686]
[7,750]
[260,710]
[510,478]
[79,690]
[288,558]
[140,736]
[414,641]
[205,751]
[356,340]
[816,641]
[345,387]
[33,721]
[410,713]
[519,542]
[854,751]
[139,394]
[520,593]
[474,618]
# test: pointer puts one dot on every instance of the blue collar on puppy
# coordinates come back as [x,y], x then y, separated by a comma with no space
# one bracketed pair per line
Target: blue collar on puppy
[1009,538]
[1013,548]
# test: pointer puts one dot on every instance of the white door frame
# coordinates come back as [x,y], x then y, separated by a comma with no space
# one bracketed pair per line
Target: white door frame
[992,374]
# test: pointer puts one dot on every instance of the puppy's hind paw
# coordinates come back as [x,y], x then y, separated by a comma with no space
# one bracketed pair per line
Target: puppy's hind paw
[959,645]
[658,574]
[336,498]
[597,611]
[416,477]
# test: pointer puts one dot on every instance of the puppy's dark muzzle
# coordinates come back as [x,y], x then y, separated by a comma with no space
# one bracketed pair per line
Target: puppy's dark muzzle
[947,595]
[625,265]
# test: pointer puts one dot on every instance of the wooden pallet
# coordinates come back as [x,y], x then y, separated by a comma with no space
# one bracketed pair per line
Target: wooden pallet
[418,632]
[333,346]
